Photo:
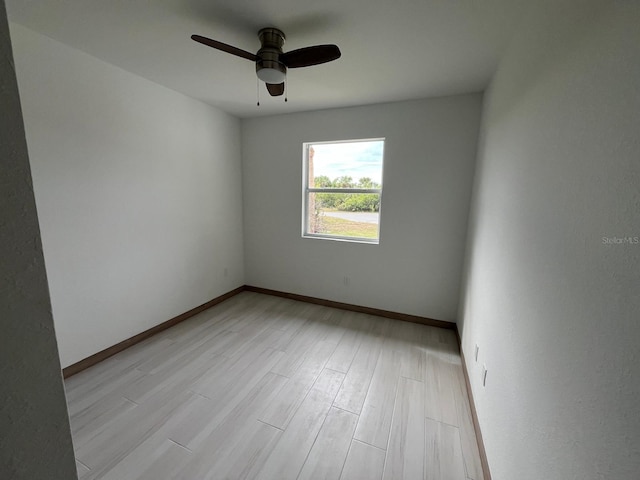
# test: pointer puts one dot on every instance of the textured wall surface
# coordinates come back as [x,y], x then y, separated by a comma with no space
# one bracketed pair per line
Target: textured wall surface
[138,191]
[35,439]
[553,269]
[428,169]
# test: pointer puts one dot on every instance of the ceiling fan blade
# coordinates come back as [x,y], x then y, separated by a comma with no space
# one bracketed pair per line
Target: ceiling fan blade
[305,57]
[275,89]
[224,47]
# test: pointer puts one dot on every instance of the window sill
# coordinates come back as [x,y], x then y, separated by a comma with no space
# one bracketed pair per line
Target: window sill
[366,241]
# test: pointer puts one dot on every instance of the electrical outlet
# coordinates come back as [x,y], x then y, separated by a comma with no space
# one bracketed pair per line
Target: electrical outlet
[484,375]
[476,352]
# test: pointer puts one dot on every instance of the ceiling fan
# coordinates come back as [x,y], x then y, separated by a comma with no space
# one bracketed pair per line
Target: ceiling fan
[271,62]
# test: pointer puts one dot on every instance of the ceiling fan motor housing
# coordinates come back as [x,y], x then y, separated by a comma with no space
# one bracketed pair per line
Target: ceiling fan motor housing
[268,66]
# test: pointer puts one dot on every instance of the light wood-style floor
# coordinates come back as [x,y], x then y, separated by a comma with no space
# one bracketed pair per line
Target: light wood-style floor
[269,388]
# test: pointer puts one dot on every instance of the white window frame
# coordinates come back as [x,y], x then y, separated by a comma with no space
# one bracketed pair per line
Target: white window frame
[306,191]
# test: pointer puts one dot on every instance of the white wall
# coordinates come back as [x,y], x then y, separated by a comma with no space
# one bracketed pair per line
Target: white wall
[138,190]
[554,310]
[35,438]
[428,169]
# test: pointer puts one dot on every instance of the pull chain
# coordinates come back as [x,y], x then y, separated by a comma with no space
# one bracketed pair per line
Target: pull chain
[258,91]
[285,91]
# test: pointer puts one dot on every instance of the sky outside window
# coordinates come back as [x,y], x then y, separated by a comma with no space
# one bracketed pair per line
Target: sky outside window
[353,159]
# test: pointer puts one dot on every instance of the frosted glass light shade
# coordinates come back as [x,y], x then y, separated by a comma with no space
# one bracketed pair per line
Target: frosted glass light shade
[271,75]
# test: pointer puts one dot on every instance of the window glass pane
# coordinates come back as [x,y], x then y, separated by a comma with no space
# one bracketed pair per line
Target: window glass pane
[344,214]
[346,164]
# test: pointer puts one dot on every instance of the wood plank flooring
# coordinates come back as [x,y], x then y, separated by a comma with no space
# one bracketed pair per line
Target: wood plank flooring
[261,387]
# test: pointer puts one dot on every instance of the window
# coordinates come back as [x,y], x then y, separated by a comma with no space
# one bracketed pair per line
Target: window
[342,189]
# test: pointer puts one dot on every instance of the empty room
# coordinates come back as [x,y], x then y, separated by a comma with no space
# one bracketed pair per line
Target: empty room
[336,240]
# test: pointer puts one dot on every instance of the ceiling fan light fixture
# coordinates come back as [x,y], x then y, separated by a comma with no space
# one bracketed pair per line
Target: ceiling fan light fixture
[269,68]
[271,75]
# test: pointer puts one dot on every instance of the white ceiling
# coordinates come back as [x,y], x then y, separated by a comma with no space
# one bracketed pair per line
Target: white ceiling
[391,50]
